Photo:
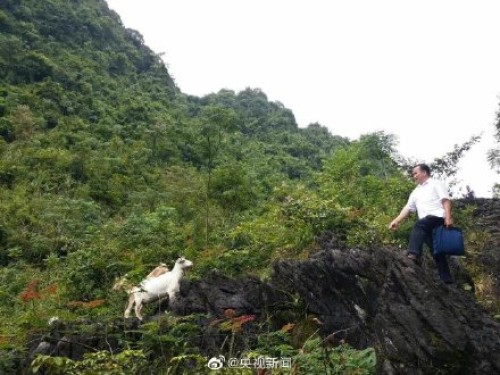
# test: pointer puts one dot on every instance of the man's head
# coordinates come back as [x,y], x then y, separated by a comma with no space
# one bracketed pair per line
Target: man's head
[420,173]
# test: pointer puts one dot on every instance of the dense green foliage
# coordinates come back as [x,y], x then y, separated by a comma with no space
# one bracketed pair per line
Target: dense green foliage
[107,168]
[494,155]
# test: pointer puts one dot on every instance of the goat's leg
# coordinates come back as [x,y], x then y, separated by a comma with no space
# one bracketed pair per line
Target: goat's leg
[138,308]
[128,309]
[171,298]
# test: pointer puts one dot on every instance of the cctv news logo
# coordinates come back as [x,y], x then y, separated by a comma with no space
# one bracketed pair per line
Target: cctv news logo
[216,363]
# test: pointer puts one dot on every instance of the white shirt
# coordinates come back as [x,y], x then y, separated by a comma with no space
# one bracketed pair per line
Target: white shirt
[427,199]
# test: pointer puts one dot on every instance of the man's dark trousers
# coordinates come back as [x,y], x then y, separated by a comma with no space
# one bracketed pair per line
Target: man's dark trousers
[422,233]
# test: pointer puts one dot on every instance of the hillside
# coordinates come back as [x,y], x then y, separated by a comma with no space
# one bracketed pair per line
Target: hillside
[94,129]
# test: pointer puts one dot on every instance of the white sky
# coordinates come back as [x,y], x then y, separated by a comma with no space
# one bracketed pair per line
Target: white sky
[427,71]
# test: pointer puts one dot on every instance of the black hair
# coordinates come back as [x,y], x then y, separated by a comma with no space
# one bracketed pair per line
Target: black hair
[425,168]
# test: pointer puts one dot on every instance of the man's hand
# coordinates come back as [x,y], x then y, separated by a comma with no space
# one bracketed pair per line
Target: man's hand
[448,222]
[394,225]
[448,219]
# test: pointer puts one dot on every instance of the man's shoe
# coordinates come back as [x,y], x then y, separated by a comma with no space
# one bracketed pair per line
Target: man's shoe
[412,257]
[447,280]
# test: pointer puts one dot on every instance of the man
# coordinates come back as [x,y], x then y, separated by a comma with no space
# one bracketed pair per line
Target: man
[431,201]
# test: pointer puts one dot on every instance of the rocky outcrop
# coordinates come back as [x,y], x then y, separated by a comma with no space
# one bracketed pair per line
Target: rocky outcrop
[216,293]
[486,220]
[381,299]
[370,298]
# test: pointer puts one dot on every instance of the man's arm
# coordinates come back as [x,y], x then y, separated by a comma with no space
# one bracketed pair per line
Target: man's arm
[448,219]
[405,212]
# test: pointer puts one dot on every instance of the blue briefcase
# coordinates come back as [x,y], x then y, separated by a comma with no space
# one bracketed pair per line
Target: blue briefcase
[448,241]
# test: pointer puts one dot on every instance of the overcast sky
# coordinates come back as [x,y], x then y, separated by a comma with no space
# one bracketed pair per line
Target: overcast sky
[425,71]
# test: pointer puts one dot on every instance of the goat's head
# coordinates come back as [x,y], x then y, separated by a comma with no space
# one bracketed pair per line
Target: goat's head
[121,283]
[183,263]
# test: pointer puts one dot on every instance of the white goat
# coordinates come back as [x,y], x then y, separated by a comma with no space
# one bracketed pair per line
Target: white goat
[155,288]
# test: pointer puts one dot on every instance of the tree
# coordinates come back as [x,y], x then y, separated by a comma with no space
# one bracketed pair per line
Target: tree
[365,183]
[215,122]
[23,122]
[232,189]
[494,154]
[377,152]
[447,165]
